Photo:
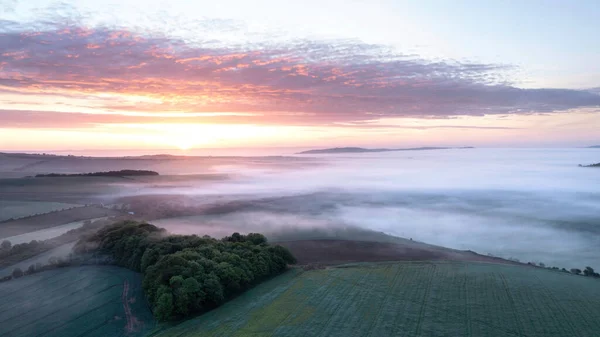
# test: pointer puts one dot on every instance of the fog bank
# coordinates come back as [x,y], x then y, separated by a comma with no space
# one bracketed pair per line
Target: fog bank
[531,204]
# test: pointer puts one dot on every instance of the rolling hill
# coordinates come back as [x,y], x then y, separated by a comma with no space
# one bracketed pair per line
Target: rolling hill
[75,301]
[408,299]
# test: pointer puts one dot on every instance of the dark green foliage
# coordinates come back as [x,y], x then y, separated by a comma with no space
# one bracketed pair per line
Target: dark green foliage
[576,271]
[6,245]
[17,272]
[187,274]
[589,271]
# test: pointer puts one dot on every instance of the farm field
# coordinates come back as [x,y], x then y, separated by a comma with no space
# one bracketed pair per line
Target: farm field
[60,251]
[49,233]
[10,209]
[75,301]
[48,220]
[409,299]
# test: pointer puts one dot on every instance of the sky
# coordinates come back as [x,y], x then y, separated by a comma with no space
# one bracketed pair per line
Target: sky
[228,74]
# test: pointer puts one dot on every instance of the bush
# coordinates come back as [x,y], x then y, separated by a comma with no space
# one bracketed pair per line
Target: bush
[17,272]
[5,245]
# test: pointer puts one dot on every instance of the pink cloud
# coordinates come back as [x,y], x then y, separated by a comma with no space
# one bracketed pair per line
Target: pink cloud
[329,81]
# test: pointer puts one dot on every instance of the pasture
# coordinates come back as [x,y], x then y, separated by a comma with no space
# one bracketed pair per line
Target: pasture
[409,299]
[10,209]
[75,301]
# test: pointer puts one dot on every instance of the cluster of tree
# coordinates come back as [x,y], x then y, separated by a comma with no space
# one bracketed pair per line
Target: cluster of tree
[591,165]
[187,274]
[121,173]
[588,271]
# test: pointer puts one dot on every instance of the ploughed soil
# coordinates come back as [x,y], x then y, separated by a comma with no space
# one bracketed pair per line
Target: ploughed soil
[33,223]
[331,252]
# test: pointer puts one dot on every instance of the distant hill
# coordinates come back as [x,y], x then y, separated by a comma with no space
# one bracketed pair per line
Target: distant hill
[591,165]
[594,147]
[364,150]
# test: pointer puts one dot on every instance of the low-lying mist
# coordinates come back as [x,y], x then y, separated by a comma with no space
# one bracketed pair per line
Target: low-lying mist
[530,204]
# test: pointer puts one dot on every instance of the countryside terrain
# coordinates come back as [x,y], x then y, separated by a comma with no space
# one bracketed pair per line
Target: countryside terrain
[408,299]
[347,281]
[76,301]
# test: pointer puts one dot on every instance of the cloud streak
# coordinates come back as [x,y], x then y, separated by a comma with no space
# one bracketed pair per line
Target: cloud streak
[299,82]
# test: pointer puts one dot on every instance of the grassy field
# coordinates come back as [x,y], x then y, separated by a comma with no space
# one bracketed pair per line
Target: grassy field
[76,301]
[10,209]
[409,299]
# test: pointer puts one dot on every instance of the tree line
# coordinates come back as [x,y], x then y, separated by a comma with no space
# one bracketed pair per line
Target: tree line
[187,274]
[121,173]
[591,165]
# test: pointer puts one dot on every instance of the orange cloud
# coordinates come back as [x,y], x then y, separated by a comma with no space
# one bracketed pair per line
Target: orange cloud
[339,81]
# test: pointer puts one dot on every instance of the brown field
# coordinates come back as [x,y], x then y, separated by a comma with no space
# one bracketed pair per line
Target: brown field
[34,223]
[331,252]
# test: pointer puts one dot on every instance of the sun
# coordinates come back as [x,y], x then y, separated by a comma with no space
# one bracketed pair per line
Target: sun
[184,145]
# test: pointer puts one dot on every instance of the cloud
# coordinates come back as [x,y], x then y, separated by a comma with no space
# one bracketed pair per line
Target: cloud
[302,81]
[59,120]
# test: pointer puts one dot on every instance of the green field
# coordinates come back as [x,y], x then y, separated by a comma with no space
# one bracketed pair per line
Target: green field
[10,209]
[75,301]
[409,299]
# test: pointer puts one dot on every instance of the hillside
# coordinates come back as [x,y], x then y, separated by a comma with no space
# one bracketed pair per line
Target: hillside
[408,299]
[75,301]
[365,150]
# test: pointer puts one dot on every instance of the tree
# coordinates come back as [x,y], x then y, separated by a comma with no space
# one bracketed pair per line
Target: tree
[588,271]
[576,271]
[31,269]
[6,245]
[17,272]
[256,238]
[164,307]
[187,274]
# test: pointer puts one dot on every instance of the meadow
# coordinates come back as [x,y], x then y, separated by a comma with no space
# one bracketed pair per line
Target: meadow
[13,209]
[75,301]
[409,299]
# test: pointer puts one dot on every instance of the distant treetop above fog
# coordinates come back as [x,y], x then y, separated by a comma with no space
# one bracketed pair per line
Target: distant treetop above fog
[121,173]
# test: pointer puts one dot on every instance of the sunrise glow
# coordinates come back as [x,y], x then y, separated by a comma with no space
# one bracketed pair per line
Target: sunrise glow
[95,84]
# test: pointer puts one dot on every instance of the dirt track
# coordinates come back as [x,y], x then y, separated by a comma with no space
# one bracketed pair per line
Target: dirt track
[329,252]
